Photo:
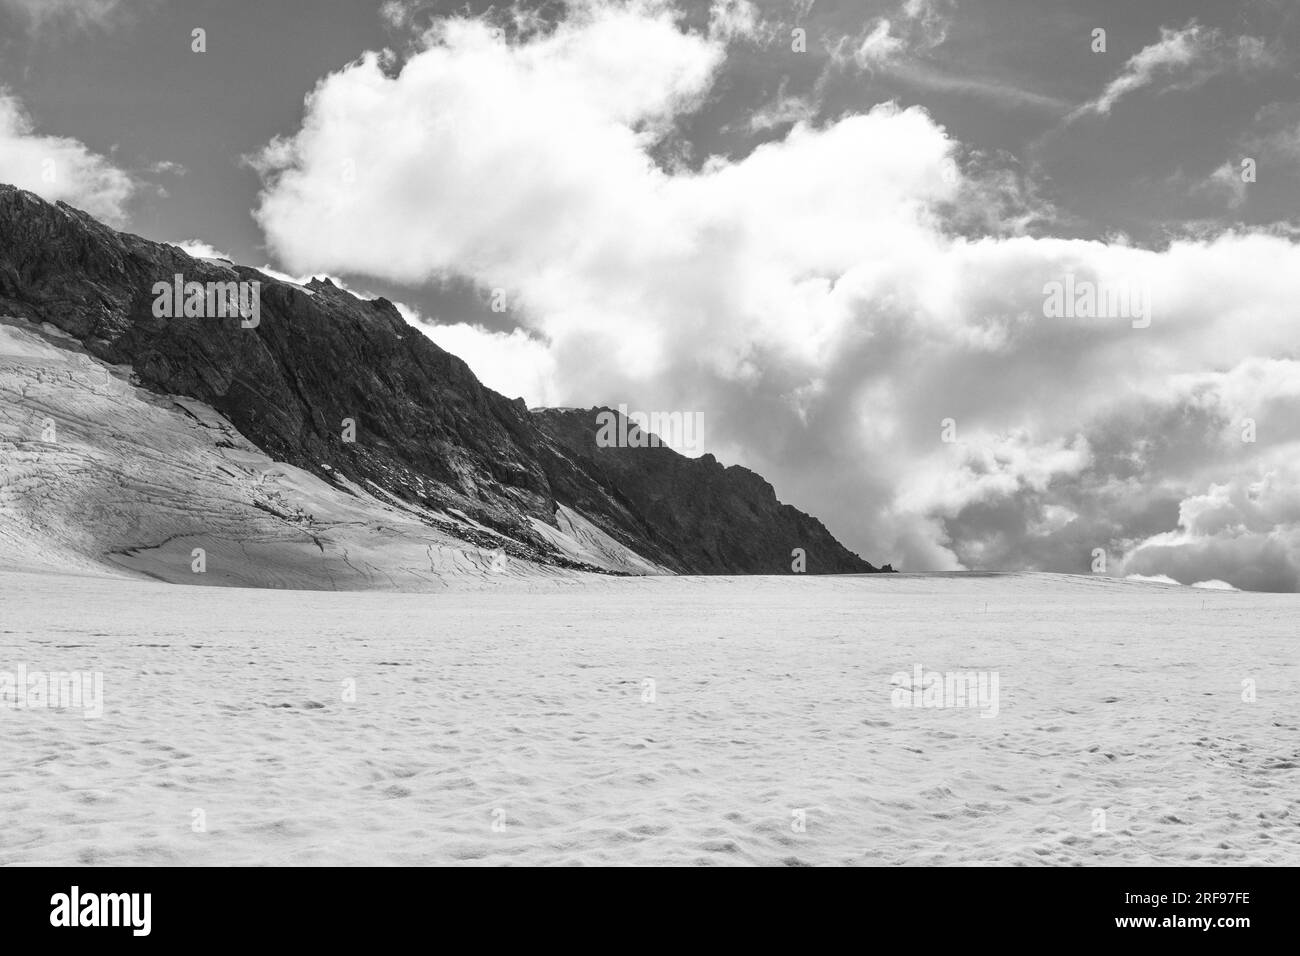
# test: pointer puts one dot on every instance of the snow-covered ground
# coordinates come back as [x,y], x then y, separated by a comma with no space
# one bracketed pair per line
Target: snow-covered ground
[518,725]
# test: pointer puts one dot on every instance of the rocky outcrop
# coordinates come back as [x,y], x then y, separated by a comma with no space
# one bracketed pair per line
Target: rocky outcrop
[711,518]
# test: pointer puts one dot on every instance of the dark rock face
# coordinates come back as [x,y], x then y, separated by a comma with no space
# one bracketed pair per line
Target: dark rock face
[426,430]
[711,518]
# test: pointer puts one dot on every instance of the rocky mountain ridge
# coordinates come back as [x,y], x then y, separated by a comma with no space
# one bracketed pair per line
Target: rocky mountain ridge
[345,389]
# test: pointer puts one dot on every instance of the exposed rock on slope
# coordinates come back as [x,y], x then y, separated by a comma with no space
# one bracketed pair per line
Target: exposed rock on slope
[708,517]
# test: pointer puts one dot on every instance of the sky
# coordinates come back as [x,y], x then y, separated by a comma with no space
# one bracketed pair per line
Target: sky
[981,284]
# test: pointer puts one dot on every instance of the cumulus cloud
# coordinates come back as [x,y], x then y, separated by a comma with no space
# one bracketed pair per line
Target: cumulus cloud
[1244,532]
[58,167]
[514,363]
[1182,59]
[818,299]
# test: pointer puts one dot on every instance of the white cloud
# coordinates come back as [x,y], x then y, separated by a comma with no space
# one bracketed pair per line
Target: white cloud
[783,110]
[902,46]
[1176,48]
[58,167]
[1244,532]
[199,249]
[930,19]
[879,46]
[812,298]
[1182,59]
[396,13]
[736,19]
[513,363]
[915,29]
[586,99]
[1150,579]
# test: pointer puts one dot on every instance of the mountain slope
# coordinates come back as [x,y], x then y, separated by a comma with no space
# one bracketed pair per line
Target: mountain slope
[428,435]
[718,519]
